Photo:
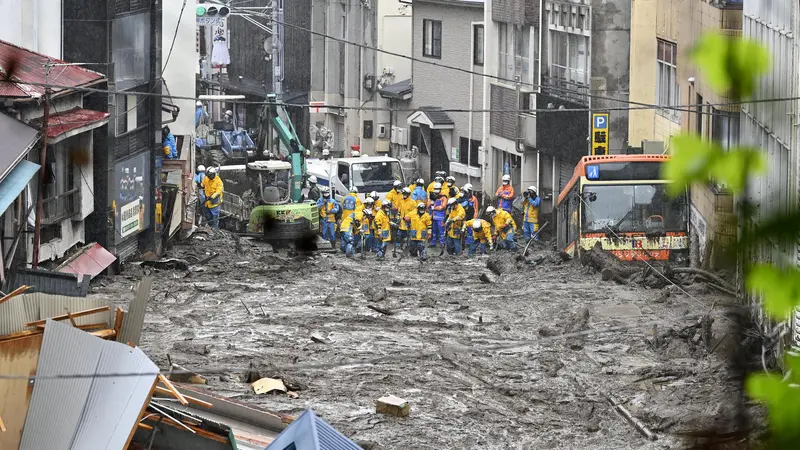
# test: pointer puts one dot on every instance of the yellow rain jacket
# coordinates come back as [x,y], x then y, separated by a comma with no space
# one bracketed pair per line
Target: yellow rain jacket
[395,197]
[350,204]
[213,191]
[530,213]
[420,226]
[405,207]
[483,235]
[347,223]
[456,216]
[501,220]
[383,229]
[325,210]
[446,187]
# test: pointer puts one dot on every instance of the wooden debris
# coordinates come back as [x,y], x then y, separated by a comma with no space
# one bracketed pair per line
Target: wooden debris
[172,389]
[267,385]
[2,425]
[245,307]
[192,400]
[104,334]
[318,340]
[74,315]
[21,334]
[183,375]
[393,406]
[119,318]
[637,424]
[144,426]
[380,310]
[610,268]
[13,294]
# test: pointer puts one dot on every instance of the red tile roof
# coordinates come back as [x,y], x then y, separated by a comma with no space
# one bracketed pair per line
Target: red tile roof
[70,120]
[25,66]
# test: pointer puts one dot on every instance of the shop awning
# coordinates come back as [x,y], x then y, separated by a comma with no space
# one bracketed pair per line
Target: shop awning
[73,122]
[432,117]
[92,260]
[13,184]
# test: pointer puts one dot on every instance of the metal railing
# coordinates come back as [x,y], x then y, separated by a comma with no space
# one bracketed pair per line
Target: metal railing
[62,206]
[567,90]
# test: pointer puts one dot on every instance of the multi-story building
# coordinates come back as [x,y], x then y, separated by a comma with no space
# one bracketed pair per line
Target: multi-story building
[662,73]
[122,40]
[551,55]
[772,126]
[447,35]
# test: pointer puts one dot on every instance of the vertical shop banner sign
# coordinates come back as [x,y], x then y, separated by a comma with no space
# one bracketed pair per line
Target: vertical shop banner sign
[131,197]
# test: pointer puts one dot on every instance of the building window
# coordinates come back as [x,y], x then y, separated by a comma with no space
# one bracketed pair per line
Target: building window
[127,113]
[131,50]
[667,89]
[514,48]
[569,57]
[725,128]
[468,155]
[477,48]
[432,38]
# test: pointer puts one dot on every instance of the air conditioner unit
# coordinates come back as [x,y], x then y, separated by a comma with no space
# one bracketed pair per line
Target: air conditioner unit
[395,133]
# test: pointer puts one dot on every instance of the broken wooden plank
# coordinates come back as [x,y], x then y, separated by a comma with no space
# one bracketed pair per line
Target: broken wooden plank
[2,425]
[196,401]
[637,424]
[119,317]
[71,319]
[172,389]
[144,426]
[66,316]
[381,310]
[104,334]
[90,326]
[20,334]
[13,294]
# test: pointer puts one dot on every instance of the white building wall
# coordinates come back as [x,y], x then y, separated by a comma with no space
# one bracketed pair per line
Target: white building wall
[178,74]
[395,35]
[33,24]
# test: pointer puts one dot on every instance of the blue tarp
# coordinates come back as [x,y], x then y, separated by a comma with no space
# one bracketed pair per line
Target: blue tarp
[15,182]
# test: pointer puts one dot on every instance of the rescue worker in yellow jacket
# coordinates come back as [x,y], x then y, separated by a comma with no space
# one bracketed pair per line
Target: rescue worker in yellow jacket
[346,232]
[453,225]
[363,237]
[212,188]
[328,208]
[377,199]
[504,227]
[530,213]
[396,194]
[419,225]
[368,225]
[439,178]
[383,229]
[479,234]
[404,207]
[351,202]
[450,187]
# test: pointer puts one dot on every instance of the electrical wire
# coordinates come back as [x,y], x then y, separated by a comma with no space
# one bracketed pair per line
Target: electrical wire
[380,359]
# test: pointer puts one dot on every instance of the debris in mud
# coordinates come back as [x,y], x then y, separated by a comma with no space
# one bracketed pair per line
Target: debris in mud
[579,322]
[192,348]
[165,264]
[381,310]
[207,287]
[319,340]
[398,283]
[183,375]
[487,278]
[373,294]
[662,372]
[269,385]
[393,406]
[691,340]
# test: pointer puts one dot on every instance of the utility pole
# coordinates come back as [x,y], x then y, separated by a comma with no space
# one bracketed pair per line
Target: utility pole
[277,53]
[37,234]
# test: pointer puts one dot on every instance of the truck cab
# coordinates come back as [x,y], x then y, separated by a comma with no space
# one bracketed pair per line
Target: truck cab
[366,173]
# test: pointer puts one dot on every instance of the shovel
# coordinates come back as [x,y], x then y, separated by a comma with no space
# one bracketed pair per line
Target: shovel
[535,235]
[363,246]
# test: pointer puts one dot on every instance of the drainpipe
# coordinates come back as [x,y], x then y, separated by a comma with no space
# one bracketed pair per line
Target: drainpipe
[488,40]
[471,97]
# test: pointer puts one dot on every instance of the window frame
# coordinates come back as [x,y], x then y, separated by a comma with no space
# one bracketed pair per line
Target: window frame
[510,47]
[668,89]
[429,38]
[478,58]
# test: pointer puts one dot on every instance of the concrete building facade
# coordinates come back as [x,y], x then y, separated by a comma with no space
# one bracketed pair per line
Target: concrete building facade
[447,33]
[662,73]
[34,25]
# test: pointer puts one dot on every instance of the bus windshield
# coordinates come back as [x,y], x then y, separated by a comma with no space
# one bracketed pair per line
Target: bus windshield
[376,176]
[633,208]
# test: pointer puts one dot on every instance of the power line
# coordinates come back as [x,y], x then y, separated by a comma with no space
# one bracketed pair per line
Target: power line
[381,359]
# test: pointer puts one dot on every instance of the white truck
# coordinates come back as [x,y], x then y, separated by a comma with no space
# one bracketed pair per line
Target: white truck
[366,173]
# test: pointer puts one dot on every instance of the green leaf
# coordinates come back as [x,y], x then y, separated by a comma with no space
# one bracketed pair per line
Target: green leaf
[782,401]
[692,159]
[734,166]
[780,287]
[730,65]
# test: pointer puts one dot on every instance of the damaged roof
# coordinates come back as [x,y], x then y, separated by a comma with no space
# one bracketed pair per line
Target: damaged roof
[401,90]
[25,66]
[310,432]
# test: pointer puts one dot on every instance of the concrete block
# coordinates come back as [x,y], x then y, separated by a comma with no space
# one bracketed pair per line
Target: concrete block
[393,406]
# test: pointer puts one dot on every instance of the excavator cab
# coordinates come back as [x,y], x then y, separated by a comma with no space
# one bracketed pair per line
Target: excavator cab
[271,180]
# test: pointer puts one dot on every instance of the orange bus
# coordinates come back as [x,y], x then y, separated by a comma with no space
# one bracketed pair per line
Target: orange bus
[621,202]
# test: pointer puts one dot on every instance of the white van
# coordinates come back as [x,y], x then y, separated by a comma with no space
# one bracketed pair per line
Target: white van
[366,173]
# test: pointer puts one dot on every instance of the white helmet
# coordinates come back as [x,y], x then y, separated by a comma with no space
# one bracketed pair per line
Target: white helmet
[201,168]
[326,152]
[369,201]
[490,210]
[476,225]
[397,183]
[353,189]
[467,187]
[325,190]
[406,190]
[199,103]
[451,201]
[229,113]
[211,170]
[387,204]
[374,194]
[368,211]
[420,181]
[506,178]
[450,179]
[439,179]
[437,186]
[420,205]
[532,188]
[312,179]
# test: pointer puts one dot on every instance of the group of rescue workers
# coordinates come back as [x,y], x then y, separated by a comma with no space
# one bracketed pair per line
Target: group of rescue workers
[413,217]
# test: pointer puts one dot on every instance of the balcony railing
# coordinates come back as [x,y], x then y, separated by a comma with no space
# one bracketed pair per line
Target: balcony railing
[567,90]
[62,206]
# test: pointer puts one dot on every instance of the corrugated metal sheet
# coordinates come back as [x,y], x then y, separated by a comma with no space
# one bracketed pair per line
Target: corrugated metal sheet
[48,282]
[83,413]
[92,260]
[134,319]
[18,138]
[309,432]
[18,311]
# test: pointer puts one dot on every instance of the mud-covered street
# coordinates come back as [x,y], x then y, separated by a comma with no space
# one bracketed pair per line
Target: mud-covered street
[274,310]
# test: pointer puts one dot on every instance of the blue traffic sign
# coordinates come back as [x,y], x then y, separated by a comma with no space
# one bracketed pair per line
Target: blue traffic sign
[601,121]
[592,172]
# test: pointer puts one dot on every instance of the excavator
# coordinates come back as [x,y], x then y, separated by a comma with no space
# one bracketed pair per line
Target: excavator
[270,200]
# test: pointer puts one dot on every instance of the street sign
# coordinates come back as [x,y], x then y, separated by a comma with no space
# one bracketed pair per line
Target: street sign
[600,134]
[317,108]
[592,172]
[217,21]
